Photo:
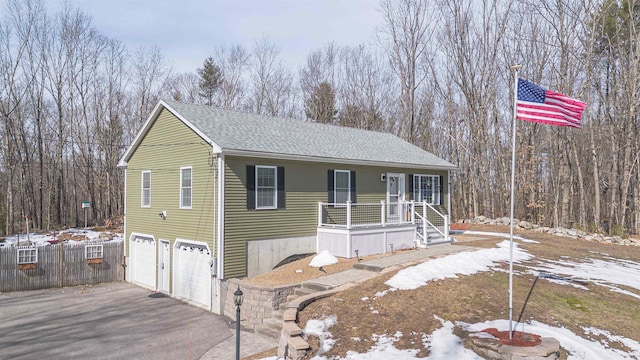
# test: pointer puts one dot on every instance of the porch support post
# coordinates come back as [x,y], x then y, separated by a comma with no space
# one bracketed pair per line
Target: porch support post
[348,214]
[446,227]
[382,213]
[424,222]
[320,214]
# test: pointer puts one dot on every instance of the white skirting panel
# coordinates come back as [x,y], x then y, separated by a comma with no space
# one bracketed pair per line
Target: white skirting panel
[368,241]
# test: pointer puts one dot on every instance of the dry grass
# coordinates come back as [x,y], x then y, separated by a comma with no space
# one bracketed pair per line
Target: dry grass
[299,271]
[481,297]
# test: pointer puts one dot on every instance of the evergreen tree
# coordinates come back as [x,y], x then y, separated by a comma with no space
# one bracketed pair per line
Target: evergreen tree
[321,105]
[210,80]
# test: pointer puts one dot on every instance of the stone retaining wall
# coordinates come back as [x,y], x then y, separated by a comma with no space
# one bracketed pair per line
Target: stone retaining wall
[259,301]
[559,231]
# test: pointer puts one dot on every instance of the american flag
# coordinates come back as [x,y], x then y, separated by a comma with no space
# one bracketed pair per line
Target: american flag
[547,107]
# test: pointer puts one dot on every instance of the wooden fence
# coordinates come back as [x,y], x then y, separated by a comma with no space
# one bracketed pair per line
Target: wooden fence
[61,265]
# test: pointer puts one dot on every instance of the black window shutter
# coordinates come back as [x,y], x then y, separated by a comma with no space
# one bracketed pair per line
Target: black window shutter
[251,187]
[411,189]
[441,189]
[352,186]
[330,194]
[281,193]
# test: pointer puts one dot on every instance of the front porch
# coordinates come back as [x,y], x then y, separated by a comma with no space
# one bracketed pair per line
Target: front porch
[358,229]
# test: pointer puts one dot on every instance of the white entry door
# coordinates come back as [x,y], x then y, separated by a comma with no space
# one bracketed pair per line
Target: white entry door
[164,266]
[395,195]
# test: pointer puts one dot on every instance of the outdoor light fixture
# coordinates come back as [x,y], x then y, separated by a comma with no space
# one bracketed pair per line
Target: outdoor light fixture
[237,300]
[357,256]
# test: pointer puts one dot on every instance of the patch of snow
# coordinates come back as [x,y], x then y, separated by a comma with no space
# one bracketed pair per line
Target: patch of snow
[48,237]
[383,350]
[464,263]
[324,258]
[320,329]
[631,344]
[600,272]
[364,298]
[444,345]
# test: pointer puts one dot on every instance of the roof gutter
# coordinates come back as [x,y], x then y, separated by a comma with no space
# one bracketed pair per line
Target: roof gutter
[268,155]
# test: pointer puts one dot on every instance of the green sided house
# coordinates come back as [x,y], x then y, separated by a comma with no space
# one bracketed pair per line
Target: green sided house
[214,194]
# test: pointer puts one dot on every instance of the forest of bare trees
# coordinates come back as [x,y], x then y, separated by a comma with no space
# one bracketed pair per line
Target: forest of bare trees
[438,75]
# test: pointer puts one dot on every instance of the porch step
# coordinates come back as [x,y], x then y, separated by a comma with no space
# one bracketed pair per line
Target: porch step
[314,286]
[303,291]
[277,314]
[368,267]
[270,328]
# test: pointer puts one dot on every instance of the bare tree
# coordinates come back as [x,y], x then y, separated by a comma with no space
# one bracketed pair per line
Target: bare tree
[405,34]
[273,92]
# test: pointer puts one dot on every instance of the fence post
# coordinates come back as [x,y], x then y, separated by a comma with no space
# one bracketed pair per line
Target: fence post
[348,214]
[61,264]
[382,213]
[320,214]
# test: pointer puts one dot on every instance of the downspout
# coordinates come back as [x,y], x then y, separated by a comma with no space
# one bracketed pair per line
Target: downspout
[220,220]
[124,221]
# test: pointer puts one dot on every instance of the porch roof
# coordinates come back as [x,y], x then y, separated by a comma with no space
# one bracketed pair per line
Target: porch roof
[244,134]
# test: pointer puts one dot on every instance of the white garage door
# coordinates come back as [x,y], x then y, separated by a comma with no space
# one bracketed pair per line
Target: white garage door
[192,273]
[143,261]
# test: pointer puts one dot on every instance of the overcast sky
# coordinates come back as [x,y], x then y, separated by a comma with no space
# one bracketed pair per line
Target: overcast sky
[187,31]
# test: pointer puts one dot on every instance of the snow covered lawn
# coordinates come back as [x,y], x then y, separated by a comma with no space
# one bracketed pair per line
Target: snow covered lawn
[602,273]
[50,237]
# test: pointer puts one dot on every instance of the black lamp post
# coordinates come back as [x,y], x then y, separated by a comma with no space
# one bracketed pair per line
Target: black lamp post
[237,299]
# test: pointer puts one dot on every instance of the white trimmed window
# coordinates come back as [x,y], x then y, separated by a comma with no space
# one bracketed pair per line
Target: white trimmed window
[426,188]
[28,256]
[266,181]
[146,189]
[185,187]
[342,189]
[93,251]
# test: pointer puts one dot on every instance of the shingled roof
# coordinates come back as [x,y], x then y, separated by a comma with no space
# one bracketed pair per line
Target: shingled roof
[239,133]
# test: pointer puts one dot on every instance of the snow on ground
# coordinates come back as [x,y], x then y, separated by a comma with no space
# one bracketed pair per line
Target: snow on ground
[609,272]
[324,258]
[444,344]
[49,237]
[578,347]
[464,263]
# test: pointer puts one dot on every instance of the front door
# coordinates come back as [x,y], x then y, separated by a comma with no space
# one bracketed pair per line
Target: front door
[395,195]
[163,265]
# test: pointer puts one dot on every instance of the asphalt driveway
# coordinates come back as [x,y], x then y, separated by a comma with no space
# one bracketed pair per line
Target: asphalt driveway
[105,321]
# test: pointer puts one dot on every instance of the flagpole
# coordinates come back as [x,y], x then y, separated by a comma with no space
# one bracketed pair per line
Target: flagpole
[515,69]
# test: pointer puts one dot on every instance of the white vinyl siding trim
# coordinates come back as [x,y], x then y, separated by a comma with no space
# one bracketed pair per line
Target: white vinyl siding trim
[266,187]
[145,200]
[426,188]
[186,186]
[342,186]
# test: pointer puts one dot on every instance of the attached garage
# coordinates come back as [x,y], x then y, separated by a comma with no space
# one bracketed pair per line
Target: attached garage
[192,272]
[142,261]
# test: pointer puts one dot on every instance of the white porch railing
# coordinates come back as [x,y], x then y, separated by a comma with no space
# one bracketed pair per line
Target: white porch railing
[351,215]
[429,221]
